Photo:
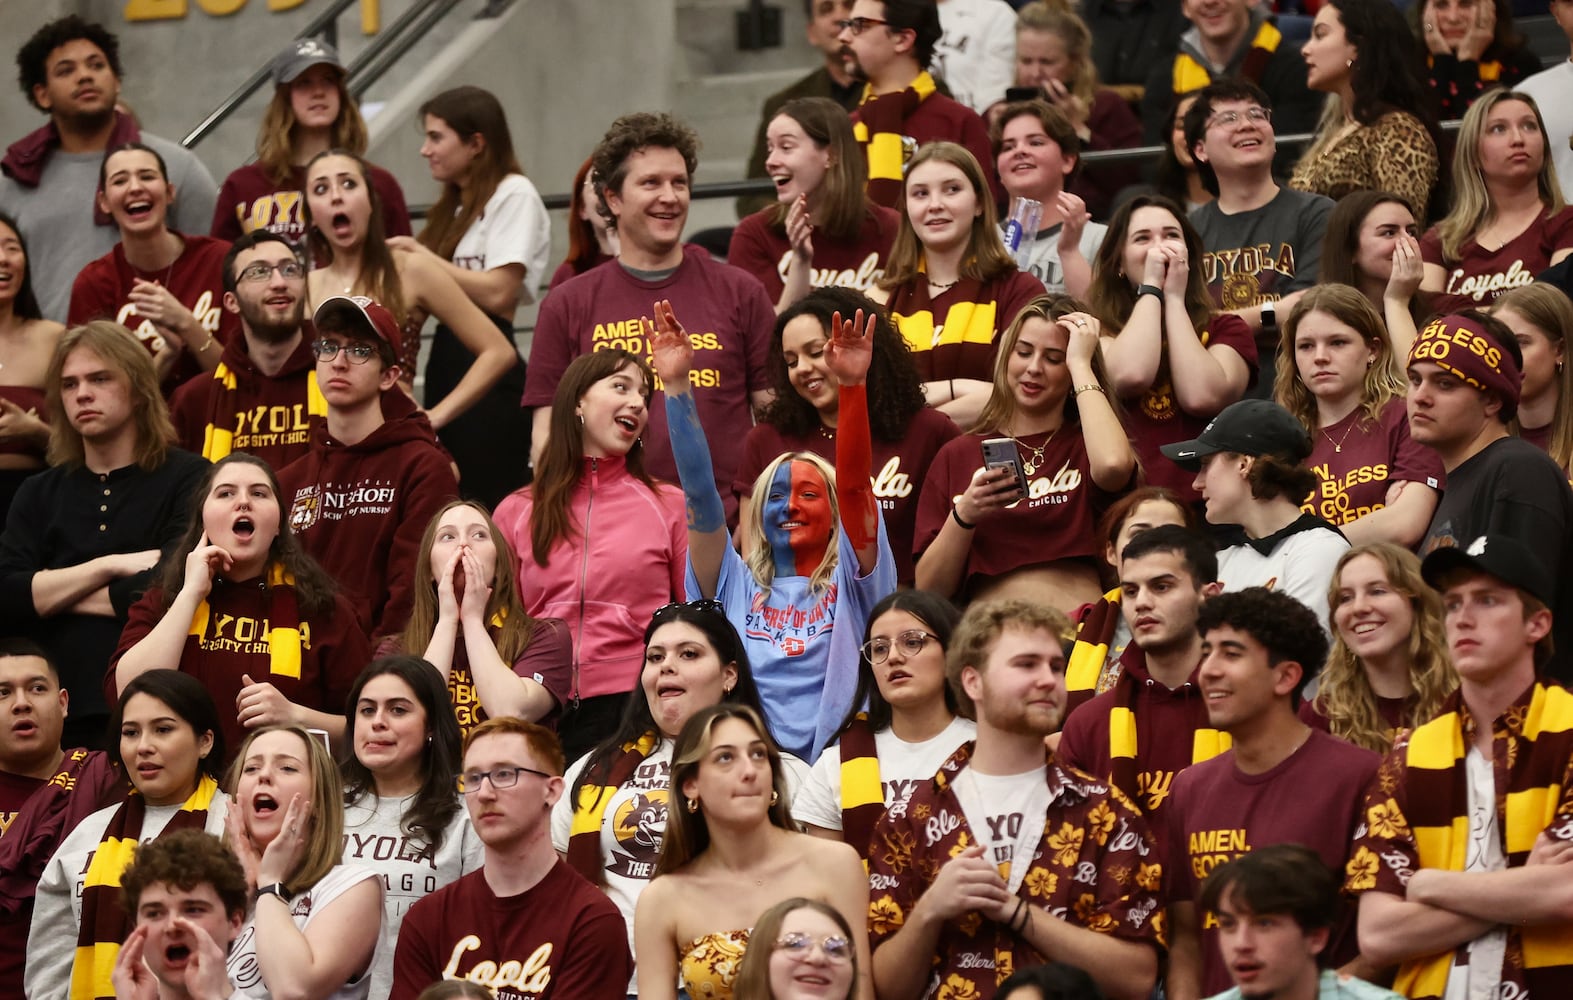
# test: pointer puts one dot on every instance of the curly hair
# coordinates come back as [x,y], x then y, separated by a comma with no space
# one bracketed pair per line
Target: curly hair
[895,393]
[32,59]
[1382,384]
[628,135]
[1287,629]
[1274,476]
[186,859]
[1345,698]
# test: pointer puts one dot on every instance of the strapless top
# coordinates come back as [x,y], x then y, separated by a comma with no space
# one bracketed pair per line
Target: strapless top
[709,965]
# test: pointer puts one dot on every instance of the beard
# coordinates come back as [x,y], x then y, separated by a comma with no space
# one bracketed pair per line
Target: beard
[849,62]
[267,331]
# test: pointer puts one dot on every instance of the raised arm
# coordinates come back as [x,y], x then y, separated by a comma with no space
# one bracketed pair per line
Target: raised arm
[441,296]
[847,355]
[1133,356]
[163,645]
[1402,286]
[673,357]
[1108,448]
[1205,380]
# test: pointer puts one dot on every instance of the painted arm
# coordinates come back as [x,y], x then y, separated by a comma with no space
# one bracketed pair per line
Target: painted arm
[847,355]
[673,357]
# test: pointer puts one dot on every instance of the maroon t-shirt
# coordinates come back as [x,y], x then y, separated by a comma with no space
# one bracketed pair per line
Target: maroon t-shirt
[1055,521]
[1315,798]
[1356,460]
[562,939]
[761,250]
[1154,418]
[249,200]
[547,660]
[898,471]
[15,790]
[1478,276]
[102,291]
[1166,723]
[234,641]
[728,318]
[957,335]
[267,414]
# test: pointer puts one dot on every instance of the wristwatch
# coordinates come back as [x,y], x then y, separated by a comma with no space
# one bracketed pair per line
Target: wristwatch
[275,889]
[1269,315]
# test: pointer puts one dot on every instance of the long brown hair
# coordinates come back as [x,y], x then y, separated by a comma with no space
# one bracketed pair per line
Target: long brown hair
[124,355]
[562,460]
[276,134]
[1112,294]
[469,111]
[985,258]
[843,201]
[1348,306]
[518,628]
[1346,698]
[379,274]
[687,834]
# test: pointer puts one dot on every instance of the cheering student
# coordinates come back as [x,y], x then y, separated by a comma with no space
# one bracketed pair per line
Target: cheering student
[28,341]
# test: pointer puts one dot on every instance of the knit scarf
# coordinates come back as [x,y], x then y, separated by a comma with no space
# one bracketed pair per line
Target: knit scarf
[285,641]
[967,320]
[881,128]
[1206,743]
[103,924]
[1437,803]
[85,783]
[1084,672]
[584,836]
[862,793]
[1192,74]
[217,441]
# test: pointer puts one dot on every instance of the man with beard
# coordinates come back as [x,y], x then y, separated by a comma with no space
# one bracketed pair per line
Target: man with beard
[261,396]
[889,45]
[1008,858]
[70,69]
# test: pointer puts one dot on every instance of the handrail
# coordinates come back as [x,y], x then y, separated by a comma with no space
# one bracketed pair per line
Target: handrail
[323,22]
[393,42]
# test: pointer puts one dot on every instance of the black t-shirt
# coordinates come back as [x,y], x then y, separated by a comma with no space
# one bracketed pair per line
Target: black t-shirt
[1513,488]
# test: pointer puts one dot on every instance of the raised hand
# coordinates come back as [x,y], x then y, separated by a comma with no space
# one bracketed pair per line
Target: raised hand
[1074,107]
[206,973]
[968,883]
[477,590]
[851,348]
[1482,31]
[131,977]
[670,351]
[158,304]
[448,590]
[240,842]
[800,231]
[1075,215]
[263,705]
[203,564]
[281,856]
[1156,266]
[1408,268]
[989,492]
[1177,271]
[1084,330]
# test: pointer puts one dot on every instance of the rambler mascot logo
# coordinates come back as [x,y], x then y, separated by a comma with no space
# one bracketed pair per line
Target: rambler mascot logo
[306,508]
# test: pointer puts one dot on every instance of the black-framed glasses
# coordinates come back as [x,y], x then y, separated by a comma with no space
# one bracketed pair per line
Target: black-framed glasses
[911,643]
[359,353]
[703,604]
[797,944]
[1229,119]
[858,25]
[259,271]
[469,782]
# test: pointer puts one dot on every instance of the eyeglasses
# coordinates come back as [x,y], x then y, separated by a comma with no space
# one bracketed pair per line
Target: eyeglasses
[289,270]
[703,604]
[797,944]
[502,777]
[1229,119]
[911,642]
[858,25]
[358,353]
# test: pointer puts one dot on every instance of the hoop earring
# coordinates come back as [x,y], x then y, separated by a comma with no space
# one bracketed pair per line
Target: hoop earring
[775,797]
[693,805]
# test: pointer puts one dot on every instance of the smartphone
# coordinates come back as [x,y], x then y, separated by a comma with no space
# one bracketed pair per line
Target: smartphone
[1001,453]
[1014,94]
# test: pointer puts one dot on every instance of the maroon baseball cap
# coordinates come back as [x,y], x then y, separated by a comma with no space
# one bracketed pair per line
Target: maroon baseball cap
[353,313]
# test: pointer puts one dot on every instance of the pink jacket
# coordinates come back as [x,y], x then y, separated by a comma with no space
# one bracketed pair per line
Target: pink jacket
[626,558]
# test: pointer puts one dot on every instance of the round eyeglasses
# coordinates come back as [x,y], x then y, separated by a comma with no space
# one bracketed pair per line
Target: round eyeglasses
[911,643]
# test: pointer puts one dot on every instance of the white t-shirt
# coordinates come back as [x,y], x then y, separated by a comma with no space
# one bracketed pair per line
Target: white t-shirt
[1482,976]
[1006,813]
[513,229]
[409,869]
[976,54]
[1300,563]
[634,824]
[902,766]
[242,966]
[1043,261]
[57,906]
[1550,88]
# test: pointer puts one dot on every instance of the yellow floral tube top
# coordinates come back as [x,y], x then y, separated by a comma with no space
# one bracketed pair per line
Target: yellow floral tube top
[709,965]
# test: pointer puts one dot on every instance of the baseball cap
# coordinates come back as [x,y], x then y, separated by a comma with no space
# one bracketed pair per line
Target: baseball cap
[1249,427]
[301,55]
[1501,556]
[357,312]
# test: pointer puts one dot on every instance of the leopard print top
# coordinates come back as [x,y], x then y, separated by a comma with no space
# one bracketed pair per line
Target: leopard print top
[1394,153]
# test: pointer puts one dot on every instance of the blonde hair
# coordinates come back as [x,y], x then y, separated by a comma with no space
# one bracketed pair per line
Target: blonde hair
[1346,698]
[985,258]
[1472,207]
[325,826]
[1349,306]
[276,134]
[120,350]
[980,629]
[1546,307]
[1001,405]
[1073,33]
[760,557]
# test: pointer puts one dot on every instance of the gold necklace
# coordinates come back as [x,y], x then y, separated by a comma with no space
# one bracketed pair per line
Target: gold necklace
[1030,465]
[1338,446]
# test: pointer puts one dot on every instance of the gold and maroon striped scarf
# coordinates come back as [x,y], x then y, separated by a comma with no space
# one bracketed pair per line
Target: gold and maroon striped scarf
[881,129]
[862,792]
[584,836]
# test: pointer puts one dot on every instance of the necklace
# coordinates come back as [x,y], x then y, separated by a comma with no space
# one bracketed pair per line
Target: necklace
[942,285]
[1338,446]
[1030,465]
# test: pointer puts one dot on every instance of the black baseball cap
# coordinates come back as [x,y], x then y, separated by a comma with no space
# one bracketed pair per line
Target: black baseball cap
[1249,427]
[1501,556]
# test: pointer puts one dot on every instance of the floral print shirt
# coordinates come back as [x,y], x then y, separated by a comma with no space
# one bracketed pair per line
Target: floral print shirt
[1095,866]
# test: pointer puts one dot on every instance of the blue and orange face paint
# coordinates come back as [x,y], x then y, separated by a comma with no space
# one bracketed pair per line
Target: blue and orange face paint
[797,493]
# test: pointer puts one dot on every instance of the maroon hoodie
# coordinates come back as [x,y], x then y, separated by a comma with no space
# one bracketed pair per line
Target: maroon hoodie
[361,509]
[267,415]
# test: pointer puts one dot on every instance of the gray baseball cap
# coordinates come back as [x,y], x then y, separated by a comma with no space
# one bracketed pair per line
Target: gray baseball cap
[301,55]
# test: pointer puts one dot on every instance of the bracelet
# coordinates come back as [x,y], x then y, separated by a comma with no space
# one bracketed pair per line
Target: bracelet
[1026,920]
[1017,913]
[1152,290]
[206,345]
[1089,387]
[956,516]
[952,383]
